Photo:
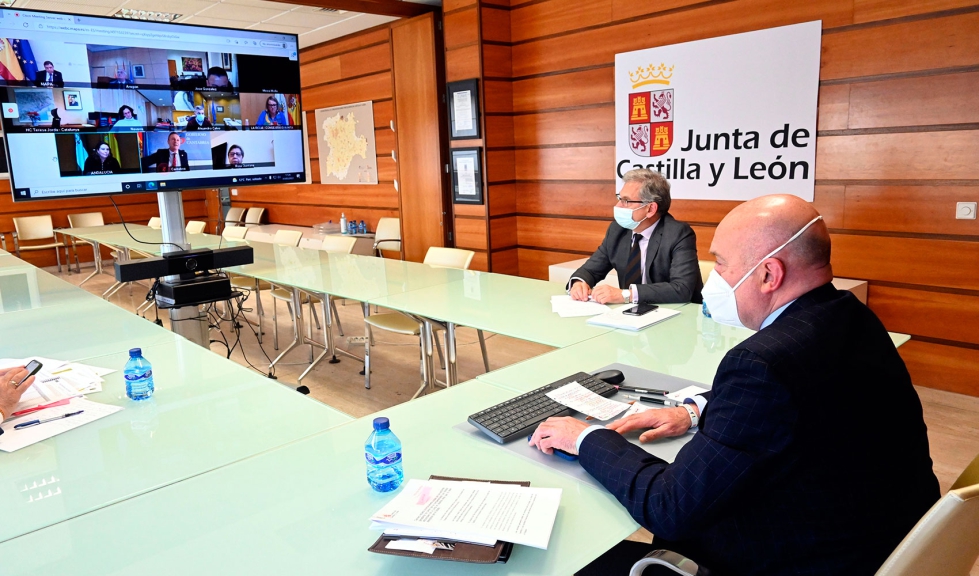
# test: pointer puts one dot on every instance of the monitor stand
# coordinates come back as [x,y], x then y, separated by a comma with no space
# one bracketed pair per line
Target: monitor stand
[187,321]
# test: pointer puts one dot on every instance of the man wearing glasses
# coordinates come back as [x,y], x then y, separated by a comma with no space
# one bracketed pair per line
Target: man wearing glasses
[654,255]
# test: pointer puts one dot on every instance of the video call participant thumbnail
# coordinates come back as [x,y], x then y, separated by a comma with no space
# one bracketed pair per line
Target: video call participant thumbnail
[236,157]
[127,120]
[272,115]
[101,162]
[169,159]
[49,78]
[198,120]
[96,154]
[217,77]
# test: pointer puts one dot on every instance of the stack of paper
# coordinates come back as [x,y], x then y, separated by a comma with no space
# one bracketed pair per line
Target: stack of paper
[616,319]
[14,439]
[466,511]
[565,307]
[581,399]
[57,381]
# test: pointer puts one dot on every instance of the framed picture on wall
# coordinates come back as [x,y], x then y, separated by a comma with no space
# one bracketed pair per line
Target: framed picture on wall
[139,71]
[463,100]
[73,99]
[192,64]
[220,108]
[226,61]
[467,176]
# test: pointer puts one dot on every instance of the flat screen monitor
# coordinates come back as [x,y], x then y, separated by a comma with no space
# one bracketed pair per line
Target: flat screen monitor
[97,106]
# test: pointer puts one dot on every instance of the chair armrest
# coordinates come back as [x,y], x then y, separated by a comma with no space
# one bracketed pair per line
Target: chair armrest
[672,561]
[379,242]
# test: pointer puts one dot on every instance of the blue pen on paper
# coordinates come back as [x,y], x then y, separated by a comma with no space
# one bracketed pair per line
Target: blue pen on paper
[23,425]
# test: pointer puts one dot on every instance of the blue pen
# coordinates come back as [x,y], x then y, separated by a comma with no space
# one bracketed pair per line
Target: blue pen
[36,422]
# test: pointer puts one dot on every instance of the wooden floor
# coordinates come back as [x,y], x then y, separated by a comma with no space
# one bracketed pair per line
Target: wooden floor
[952,419]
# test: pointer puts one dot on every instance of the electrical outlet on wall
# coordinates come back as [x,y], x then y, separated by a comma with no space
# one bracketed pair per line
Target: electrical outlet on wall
[965,210]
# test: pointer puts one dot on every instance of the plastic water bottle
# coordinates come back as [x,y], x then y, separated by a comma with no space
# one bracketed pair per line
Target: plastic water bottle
[383,454]
[343,223]
[352,227]
[703,308]
[139,376]
[362,228]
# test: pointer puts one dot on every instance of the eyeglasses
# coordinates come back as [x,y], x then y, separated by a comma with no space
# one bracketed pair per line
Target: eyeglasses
[623,201]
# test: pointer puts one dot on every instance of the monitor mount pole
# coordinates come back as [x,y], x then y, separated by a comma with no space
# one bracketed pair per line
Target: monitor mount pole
[187,321]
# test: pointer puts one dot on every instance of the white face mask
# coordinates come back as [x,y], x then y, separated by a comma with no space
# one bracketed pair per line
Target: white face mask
[719,295]
[623,216]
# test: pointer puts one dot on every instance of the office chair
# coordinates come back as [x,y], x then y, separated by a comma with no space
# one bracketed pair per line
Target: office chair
[387,236]
[234,217]
[945,542]
[254,216]
[403,324]
[38,228]
[86,220]
[195,227]
[155,223]
[285,238]
[247,283]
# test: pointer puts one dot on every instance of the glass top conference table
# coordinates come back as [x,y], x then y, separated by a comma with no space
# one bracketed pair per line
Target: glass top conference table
[206,413]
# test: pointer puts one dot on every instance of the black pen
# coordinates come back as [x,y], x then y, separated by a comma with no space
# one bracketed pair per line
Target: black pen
[36,422]
[642,390]
[652,400]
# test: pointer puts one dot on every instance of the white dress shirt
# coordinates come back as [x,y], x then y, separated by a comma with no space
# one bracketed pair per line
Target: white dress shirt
[645,235]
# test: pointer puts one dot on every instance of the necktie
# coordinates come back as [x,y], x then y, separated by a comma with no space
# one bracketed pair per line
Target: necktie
[173,160]
[633,270]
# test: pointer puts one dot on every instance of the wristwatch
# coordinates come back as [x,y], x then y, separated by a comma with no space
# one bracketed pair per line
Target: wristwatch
[627,295]
[693,415]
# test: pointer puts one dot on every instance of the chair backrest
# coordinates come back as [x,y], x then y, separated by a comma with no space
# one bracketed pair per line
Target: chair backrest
[388,229]
[85,220]
[195,226]
[155,222]
[287,237]
[234,215]
[449,257]
[944,542]
[234,232]
[34,227]
[309,243]
[338,244]
[254,215]
[705,267]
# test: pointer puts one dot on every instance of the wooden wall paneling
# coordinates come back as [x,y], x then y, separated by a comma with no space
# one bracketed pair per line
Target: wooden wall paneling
[498,3]
[949,368]
[941,263]
[480,262]
[705,235]
[830,202]
[387,169]
[503,232]
[834,107]
[599,46]
[505,261]
[345,44]
[927,313]
[950,155]
[939,43]
[533,263]
[943,99]
[583,126]
[462,63]
[370,60]
[501,199]
[554,16]
[471,233]
[385,141]
[500,165]
[417,106]
[499,131]
[461,28]
[495,24]
[496,61]
[875,10]
[567,234]
[578,88]
[373,87]
[498,96]
[474,210]
[909,209]
[451,5]
[308,215]
[622,9]
[382,195]
[578,163]
[320,71]
[594,199]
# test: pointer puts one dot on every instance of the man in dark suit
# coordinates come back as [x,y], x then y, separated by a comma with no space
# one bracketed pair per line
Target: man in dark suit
[654,255]
[50,78]
[170,159]
[811,454]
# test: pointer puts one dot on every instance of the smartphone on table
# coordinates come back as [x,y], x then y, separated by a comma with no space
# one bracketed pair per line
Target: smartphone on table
[33,367]
[640,309]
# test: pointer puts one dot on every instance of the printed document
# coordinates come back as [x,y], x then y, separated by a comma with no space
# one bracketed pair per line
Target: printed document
[13,439]
[565,307]
[581,399]
[507,512]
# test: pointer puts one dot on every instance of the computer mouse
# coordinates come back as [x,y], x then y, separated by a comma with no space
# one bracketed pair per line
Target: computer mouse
[610,376]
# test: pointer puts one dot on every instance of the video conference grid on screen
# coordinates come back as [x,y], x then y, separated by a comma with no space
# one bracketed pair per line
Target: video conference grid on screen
[103,105]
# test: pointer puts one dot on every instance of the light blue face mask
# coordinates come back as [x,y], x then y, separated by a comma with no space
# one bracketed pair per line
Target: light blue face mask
[200,117]
[623,216]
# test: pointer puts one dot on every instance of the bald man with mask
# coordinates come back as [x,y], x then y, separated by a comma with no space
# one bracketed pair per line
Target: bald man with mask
[811,454]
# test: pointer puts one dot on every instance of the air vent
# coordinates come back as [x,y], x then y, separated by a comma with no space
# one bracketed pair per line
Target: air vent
[332,10]
[131,14]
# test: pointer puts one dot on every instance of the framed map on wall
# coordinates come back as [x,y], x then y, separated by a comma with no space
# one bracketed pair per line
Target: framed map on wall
[345,136]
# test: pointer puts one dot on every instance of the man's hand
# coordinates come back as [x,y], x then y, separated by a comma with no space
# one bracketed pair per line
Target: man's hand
[9,395]
[606,294]
[558,433]
[661,423]
[580,291]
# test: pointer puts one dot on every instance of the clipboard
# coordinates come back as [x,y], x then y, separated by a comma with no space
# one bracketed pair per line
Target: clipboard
[462,552]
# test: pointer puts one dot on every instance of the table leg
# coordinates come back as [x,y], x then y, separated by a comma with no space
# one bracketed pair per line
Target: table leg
[451,378]
[330,348]
[98,262]
[367,345]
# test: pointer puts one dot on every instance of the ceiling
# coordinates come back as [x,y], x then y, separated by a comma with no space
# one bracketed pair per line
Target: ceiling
[313,25]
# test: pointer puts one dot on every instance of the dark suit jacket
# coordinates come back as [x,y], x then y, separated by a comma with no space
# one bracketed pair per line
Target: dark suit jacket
[40,79]
[671,257]
[193,125]
[811,458]
[159,161]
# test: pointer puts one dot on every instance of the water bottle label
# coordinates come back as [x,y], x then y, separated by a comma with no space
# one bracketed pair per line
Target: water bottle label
[135,377]
[389,459]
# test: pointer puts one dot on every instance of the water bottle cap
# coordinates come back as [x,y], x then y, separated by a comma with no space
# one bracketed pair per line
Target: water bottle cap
[135,352]
[381,423]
